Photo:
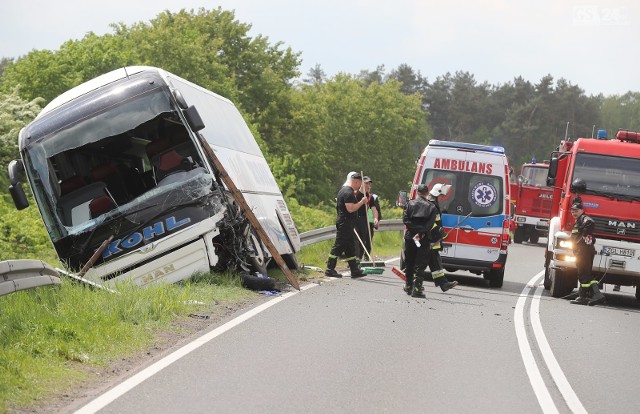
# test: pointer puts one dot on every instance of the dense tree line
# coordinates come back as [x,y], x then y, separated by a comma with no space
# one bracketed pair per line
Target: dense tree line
[313,131]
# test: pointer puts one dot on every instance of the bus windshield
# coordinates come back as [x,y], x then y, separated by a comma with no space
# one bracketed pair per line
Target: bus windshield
[101,165]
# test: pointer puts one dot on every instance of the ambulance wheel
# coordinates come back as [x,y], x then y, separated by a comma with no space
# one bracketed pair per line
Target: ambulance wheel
[534,237]
[519,235]
[496,277]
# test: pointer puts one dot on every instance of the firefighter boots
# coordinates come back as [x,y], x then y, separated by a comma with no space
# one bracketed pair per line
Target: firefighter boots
[596,296]
[418,289]
[582,298]
[331,268]
[444,283]
[355,270]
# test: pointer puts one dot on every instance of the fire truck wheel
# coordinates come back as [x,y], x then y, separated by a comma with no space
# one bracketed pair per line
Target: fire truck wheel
[496,277]
[519,235]
[638,292]
[562,283]
[534,237]
[547,278]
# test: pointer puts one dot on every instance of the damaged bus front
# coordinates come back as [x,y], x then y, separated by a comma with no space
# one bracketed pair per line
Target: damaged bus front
[124,158]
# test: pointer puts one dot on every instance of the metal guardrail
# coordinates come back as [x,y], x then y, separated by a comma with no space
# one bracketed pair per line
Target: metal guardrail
[327,233]
[24,274]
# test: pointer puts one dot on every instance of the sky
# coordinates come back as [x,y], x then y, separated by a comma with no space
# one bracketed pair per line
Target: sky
[590,43]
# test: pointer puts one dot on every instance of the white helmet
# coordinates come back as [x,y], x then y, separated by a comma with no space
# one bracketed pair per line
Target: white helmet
[440,189]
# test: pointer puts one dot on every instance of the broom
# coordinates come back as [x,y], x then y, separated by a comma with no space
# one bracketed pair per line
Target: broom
[370,263]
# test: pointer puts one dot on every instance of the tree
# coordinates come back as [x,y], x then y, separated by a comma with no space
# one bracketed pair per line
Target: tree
[15,113]
[315,75]
[620,112]
[346,125]
[209,48]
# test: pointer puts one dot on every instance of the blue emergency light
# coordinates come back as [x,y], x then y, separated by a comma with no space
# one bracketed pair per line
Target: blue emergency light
[466,146]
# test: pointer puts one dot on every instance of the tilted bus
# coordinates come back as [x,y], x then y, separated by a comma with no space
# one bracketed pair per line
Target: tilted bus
[123,158]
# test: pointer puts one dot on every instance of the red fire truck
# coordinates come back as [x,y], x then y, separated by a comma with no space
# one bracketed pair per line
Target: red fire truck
[611,171]
[533,202]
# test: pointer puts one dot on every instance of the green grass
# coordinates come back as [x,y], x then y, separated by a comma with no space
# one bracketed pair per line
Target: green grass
[385,244]
[47,335]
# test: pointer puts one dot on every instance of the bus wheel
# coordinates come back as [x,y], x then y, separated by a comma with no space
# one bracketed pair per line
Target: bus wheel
[258,259]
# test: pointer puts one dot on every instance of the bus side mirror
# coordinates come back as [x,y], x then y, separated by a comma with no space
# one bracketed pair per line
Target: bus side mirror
[402,199]
[193,118]
[16,173]
[19,197]
[553,170]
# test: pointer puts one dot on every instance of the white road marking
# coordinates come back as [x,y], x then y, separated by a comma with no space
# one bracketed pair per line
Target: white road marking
[531,367]
[558,376]
[560,380]
[122,388]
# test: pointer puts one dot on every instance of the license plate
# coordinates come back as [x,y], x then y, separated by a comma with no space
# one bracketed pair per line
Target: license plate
[543,224]
[618,251]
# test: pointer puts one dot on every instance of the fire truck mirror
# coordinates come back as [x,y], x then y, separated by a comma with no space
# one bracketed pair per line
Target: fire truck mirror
[553,169]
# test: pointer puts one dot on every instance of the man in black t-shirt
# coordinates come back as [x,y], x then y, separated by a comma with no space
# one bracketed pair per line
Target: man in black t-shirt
[346,209]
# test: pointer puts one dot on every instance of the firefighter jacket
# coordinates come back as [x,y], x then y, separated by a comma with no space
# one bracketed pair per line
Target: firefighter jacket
[419,217]
[582,235]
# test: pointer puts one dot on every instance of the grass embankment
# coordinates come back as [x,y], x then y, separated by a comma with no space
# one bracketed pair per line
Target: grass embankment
[48,335]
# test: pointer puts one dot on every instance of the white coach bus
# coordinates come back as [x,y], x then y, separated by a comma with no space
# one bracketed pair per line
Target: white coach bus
[122,157]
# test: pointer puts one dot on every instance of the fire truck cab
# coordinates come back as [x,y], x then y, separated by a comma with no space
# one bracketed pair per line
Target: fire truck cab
[533,205]
[611,171]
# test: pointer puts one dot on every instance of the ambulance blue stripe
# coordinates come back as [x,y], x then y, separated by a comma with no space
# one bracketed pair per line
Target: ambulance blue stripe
[450,220]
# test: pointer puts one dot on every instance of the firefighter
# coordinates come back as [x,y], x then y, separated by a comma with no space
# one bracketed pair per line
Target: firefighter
[584,252]
[346,208]
[438,234]
[419,217]
[368,216]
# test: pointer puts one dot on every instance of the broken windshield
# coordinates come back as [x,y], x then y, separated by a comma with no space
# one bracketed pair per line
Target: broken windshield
[100,165]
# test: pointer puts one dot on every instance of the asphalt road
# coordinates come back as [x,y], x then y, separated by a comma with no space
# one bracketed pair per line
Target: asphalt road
[364,346]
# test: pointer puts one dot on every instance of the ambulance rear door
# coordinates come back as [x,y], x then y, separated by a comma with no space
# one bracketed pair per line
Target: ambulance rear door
[474,209]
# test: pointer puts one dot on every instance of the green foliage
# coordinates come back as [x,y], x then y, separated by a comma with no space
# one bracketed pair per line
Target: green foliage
[22,234]
[15,113]
[620,112]
[307,218]
[345,125]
